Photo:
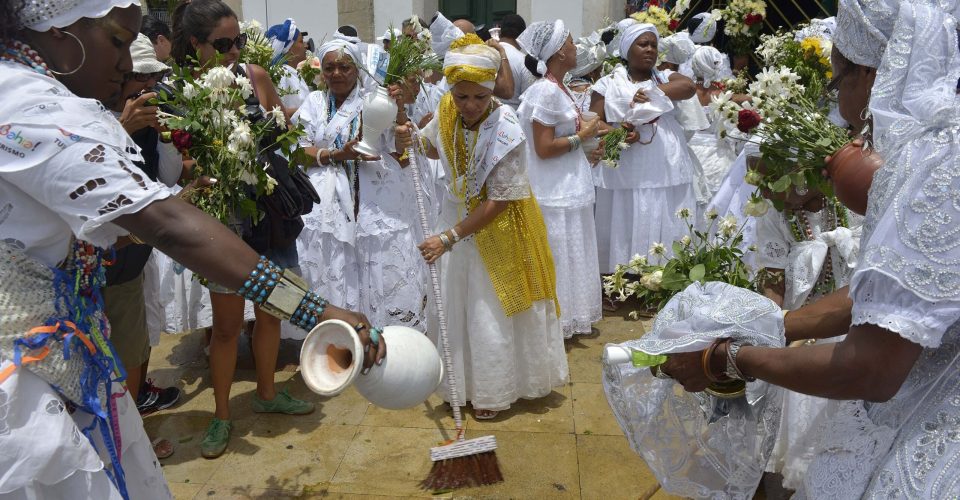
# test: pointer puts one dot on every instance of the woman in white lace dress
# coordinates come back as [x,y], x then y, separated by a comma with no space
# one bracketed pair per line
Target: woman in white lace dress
[560,174]
[365,223]
[899,365]
[637,201]
[497,274]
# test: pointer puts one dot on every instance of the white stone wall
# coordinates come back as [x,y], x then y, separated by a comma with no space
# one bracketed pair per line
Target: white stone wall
[318,17]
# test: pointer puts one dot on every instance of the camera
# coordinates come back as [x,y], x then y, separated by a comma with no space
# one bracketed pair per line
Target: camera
[165,92]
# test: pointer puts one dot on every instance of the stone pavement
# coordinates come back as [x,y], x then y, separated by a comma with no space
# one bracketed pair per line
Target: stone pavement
[566,445]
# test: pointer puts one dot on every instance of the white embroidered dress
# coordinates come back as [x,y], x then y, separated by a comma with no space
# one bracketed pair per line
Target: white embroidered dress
[498,358]
[637,202]
[368,261]
[907,279]
[65,169]
[564,190]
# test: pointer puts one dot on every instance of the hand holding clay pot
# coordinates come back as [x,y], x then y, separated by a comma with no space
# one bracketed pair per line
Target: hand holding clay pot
[330,362]
[851,171]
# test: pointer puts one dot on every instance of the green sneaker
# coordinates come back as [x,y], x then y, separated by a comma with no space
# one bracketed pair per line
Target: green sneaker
[215,439]
[282,403]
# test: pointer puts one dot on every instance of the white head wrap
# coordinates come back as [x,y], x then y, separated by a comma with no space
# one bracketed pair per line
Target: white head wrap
[394,32]
[443,33]
[677,48]
[863,29]
[41,15]
[707,64]
[337,45]
[475,55]
[349,39]
[706,30]
[145,56]
[632,33]
[911,232]
[590,55]
[542,40]
[613,49]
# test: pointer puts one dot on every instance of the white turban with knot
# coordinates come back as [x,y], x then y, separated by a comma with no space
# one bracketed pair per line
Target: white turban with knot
[677,48]
[631,34]
[707,64]
[542,40]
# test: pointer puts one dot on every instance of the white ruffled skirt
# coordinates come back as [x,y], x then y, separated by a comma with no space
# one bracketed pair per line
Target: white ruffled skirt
[497,359]
[629,221]
[715,156]
[573,241]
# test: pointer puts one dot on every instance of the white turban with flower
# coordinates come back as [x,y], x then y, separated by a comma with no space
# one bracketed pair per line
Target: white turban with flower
[631,34]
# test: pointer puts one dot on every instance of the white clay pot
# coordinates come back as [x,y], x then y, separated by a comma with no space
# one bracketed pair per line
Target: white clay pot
[332,357]
[379,112]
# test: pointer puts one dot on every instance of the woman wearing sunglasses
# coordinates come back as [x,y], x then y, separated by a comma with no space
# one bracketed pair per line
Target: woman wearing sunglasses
[208,31]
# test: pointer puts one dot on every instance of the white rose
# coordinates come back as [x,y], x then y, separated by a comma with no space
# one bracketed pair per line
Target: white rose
[652,281]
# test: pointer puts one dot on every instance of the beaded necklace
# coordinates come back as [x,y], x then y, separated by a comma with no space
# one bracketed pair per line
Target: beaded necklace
[469,172]
[802,231]
[19,52]
[351,165]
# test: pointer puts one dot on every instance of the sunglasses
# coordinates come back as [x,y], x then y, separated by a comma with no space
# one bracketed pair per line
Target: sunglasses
[223,45]
[146,77]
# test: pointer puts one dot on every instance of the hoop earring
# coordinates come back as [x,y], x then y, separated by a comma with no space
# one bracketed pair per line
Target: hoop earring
[83,59]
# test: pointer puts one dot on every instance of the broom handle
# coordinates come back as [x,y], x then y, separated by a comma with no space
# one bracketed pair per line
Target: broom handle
[441,314]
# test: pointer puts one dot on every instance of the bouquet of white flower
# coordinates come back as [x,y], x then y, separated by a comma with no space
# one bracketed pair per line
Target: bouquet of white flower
[710,255]
[743,20]
[226,137]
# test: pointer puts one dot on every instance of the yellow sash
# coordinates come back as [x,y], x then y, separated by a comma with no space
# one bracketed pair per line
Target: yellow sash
[514,246]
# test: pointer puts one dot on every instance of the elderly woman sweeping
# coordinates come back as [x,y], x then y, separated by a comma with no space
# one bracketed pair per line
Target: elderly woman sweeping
[497,273]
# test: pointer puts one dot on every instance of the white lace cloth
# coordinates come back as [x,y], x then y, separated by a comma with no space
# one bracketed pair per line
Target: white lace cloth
[699,446]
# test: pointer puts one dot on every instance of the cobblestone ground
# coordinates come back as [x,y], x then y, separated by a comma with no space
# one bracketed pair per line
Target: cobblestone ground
[566,445]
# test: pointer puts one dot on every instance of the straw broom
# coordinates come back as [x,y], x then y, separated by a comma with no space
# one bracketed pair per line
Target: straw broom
[461,462]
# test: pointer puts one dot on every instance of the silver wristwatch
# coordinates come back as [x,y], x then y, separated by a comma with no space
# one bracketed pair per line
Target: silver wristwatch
[732,371]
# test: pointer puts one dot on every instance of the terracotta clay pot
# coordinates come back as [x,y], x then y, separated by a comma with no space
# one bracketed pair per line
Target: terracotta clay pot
[851,171]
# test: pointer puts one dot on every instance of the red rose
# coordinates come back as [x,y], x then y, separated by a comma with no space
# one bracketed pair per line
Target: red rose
[747,120]
[752,19]
[181,139]
[674,24]
[653,3]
